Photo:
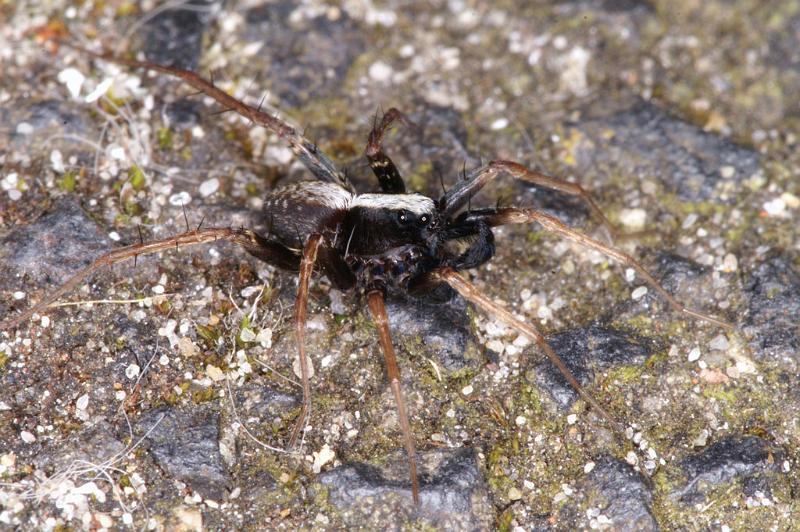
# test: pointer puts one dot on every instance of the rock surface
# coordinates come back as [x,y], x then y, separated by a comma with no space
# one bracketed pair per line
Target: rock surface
[681,122]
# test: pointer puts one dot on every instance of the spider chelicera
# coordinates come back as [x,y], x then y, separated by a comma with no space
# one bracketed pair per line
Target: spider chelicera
[371,243]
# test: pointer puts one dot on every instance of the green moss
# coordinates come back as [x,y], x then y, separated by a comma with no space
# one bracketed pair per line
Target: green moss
[625,374]
[137,178]
[252,189]
[164,138]
[720,393]
[504,520]
[209,334]
[68,182]
[204,395]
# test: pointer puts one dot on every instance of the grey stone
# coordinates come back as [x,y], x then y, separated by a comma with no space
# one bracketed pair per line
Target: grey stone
[773,289]
[305,56]
[442,328]
[452,493]
[186,445]
[613,489]
[644,142]
[584,351]
[51,249]
[732,458]
[175,36]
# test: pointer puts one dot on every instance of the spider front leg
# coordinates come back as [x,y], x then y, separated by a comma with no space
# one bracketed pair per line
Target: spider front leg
[254,243]
[459,195]
[495,217]
[377,308]
[382,166]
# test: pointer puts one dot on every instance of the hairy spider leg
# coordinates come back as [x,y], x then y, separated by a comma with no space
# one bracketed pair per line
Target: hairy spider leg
[309,154]
[300,313]
[552,224]
[382,166]
[471,293]
[250,240]
[462,192]
[377,308]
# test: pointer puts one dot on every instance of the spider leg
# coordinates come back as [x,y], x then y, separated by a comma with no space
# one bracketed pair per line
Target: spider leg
[382,166]
[250,240]
[461,193]
[471,293]
[305,150]
[504,216]
[378,310]
[300,312]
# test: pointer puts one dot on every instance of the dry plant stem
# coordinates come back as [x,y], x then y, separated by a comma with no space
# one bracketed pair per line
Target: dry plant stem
[471,293]
[554,225]
[378,310]
[300,314]
[243,237]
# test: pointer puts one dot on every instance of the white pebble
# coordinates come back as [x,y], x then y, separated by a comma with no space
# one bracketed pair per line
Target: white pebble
[132,371]
[264,337]
[180,199]
[727,172]
[572,419]
[57,161]
[27,437]
[730,263]
[73,79]
[298,371]
[719,343]
[158,289]
[99,91]
[209,186]
[247,335]
[214,373]
[790,200]
[638,293]
[18,295]
[83,402]
[588,467]
[14,195]
[322,457]
[520,421]
[116,152]
[45,322]
[689,221]
[466,390]
[694,354]
[380,71]
[24,128]
[500,123]
[633,218]
[631,458]
[775,207]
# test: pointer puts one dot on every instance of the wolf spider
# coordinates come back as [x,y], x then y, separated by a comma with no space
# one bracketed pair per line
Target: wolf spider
[374,242]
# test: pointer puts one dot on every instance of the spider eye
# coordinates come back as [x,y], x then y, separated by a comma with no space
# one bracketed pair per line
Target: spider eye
[403,217]
[424,219]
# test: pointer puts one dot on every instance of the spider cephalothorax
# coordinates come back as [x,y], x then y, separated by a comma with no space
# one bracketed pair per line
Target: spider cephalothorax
[374,242]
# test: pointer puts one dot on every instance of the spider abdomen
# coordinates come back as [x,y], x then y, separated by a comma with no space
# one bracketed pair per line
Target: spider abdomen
[297,210]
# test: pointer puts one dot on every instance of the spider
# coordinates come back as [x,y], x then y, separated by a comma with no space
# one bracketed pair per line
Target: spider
[371,243]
